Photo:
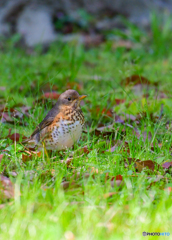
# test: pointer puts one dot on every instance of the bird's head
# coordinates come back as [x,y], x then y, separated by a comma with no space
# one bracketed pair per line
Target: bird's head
[70,98]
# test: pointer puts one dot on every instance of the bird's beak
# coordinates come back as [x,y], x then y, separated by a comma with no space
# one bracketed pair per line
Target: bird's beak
[82,97]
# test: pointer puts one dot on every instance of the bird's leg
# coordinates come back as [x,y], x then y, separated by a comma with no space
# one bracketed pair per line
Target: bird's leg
[45,150]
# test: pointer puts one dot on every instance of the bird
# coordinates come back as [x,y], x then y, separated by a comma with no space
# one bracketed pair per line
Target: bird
[62,126]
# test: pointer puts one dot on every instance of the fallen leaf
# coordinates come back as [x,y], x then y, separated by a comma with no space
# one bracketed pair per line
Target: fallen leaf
[166,165]
[15,137]
[116,181]
[6,188]
[8,116]
[140,165]
[74,85]
[118,119]
[67,162]
[50,95]
[130,117]
[83,150]
[118,101]
[1,156]
[67,184]
[112,149]
[110,194]
[103,133]
[103,112]
[147,136]
[47,87]
[89,64]
[123,44]
[157,179]
[92,40]
[136,79]
[30,156]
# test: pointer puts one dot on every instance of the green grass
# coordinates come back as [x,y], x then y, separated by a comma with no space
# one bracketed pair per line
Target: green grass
[41,208]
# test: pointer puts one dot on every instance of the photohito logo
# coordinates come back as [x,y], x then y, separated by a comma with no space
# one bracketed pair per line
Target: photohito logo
[155,234]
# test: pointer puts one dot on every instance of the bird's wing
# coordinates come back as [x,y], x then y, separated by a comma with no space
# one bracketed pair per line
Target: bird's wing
[46,122]
[52,114]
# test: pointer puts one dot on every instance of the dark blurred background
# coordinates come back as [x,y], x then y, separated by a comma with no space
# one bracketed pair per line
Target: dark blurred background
[43,21]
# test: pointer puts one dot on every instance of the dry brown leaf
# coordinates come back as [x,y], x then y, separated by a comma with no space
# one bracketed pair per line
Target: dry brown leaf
[1,156]
[136,79]
[118,180]
[50,95]
[30,156]
[110,194]
[67,162]
[6,188]
[74,85]
[140,165]
[67,184]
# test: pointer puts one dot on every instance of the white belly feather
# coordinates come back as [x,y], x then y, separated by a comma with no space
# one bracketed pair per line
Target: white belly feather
[65,135]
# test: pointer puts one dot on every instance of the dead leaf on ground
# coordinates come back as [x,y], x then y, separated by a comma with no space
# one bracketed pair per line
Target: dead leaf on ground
[123,44]
[102,112]
[7,115]
[112,149]
[143,135]
[84,150]
[110,194]
[141,165]
[47,98]
[81,175]
[69,184]
[30,155]
[136,79]
[166,165]
[47,87]
[93,40]
[67,162]
[118,101]
[50,95]
[104,130]
[103,133]
[90,64]
[1,156]
[15,137]
[142,116]
[158,178]
[6,188]
[116,181]
[74,85]
[118,119]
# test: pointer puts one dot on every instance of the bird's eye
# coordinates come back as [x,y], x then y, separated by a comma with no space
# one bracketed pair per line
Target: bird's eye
[69,99]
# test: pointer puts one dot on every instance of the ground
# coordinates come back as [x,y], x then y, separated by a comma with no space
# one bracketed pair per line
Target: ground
[116,182]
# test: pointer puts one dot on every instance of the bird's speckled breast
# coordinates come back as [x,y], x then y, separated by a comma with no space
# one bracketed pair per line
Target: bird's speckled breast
[67,132]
